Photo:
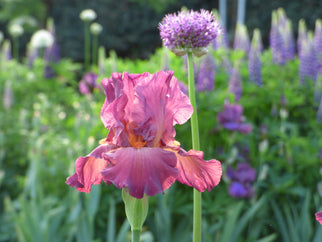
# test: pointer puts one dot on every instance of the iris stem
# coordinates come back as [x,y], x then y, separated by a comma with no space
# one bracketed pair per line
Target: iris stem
[195,146]
[136,235]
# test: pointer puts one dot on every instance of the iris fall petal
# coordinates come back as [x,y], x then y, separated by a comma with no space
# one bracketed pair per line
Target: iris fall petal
[196,172]
[88,169]
[145,170]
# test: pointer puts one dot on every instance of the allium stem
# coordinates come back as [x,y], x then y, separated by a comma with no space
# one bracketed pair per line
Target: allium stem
[87,45]
[195,146]
[94,50]
[15,48]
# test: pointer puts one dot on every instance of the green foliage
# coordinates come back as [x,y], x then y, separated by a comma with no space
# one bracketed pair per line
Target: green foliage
[50,124]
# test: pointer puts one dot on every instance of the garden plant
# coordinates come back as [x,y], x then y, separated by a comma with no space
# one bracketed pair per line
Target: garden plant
[206,140]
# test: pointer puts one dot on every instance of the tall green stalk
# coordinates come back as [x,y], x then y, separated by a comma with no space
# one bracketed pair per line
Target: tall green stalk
[87,45]
[94,50]
[195,146]
[15,48]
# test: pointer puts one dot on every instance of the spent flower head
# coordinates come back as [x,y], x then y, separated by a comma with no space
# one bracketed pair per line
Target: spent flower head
[88,15]
[189,31]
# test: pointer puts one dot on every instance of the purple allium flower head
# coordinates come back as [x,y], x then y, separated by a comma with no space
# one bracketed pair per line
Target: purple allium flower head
[231,118]
[308,68]
[206,75]
[88,83]
[189,31]
[241,41]
[241,178]
[254,62]
[235,84]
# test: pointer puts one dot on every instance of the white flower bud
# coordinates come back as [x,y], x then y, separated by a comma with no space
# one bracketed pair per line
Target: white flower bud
[42,39]
[96,28]
[15,30]
[88,15]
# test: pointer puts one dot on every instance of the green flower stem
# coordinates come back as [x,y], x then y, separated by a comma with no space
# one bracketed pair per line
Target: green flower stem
[87,45]
[136,235]
[195,146]
[15,48]
[94,50]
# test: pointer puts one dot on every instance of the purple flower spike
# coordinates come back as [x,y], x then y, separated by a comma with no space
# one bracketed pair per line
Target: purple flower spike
[241,41]
[189,31]
[235,84]
[281,38]
[206,76]
[302,35]
[318,43]
[308,68]
[254,62]
[231,118]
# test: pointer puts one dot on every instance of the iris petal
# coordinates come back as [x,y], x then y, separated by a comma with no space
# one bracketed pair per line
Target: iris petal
[88,169]
[145,170]
[194,171]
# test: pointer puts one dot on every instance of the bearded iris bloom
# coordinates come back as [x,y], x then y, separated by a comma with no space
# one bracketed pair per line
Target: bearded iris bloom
[140,152]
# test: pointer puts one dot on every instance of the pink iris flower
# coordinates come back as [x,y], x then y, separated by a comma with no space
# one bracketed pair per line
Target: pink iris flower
[318,217]
[140,152]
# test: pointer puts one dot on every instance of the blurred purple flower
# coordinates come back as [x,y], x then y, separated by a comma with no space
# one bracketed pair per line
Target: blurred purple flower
[254,62]
[51,54]
[241,179]
[222,40]
[308,68]
[302,35]
[7,96]
[241,41]
[183,87]
[235,84]
[32,54]
[231,118]
[205,77]
[6,50]
[318,43]
[189,31]
[88,83]
[282,41]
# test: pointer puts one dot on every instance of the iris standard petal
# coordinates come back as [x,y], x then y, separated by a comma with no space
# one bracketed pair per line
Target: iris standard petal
[196,172]
[165,105]
[88,169]
[145,170]
[318,217]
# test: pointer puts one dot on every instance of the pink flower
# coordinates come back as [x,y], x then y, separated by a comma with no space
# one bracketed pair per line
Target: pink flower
[140,152]
[318,217]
